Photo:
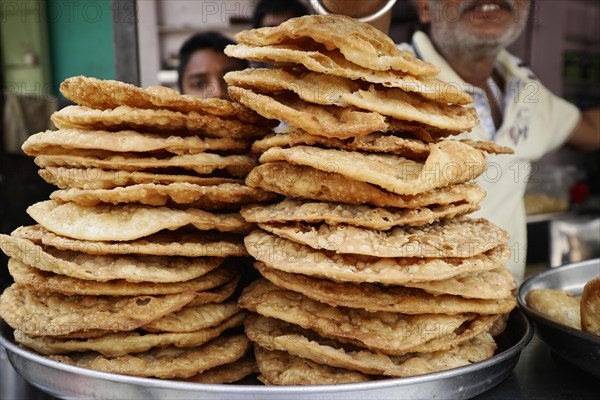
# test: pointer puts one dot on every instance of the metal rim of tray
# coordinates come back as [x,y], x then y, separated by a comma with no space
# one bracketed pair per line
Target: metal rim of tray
[526,286]
[497,367]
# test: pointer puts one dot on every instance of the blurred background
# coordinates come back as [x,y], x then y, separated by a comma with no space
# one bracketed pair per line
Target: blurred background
[44,42]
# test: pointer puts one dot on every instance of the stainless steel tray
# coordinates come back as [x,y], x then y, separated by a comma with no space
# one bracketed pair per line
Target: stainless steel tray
[69,382]
[575,346]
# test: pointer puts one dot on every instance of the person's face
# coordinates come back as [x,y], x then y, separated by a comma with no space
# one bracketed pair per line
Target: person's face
[203,75]
[274,19]
[474,25]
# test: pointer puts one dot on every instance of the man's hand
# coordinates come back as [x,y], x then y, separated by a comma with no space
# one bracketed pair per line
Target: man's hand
[586,135]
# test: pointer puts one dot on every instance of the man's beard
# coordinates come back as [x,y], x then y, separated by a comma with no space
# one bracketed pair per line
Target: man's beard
[453,40]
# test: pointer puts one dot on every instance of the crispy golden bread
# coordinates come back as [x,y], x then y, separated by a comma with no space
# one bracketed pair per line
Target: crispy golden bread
[557,305]
[215,197]
[63,140]
[374,297]
[168,362]
[123,343]
[273,334]
[449,238]
[108,94]
[52,314]
[102,268]
[333,63]
[170,243]
[333,90]
[282,368]
[157,121]
[389,333]
[590,307]
[310,183]
[292,257]
[358,215]
[449,162]
[96,178]
[127,222]
[359,42]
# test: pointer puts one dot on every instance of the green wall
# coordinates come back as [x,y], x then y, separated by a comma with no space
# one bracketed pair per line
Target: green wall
[81,40]
[24,47]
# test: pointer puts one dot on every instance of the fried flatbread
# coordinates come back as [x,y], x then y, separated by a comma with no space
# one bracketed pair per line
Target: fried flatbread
[273,334]
[310,183]
[590,307]
[455,237]
[218,294]
[123,343]
[449,162]
[282,368]
[103,268]
[373,143]
[328,121]
[201,163]
[332,90]
[50,314]
[193,318]
[184,244]
[44,281]
[168,362]
[391,333]
[402,106]
[125,141]
[126,222]
[227,373]
[96,178]
[557,305]
[374,297]
[358,215]
[359,42]
[288,256]
[495,285]
[333,63]
[226,195]
[158,121]
[106,94]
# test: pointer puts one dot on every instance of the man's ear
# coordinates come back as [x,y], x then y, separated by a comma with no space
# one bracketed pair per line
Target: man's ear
[423,10]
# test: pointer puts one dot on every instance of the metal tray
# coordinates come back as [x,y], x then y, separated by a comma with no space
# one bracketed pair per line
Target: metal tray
[69,382]
[580,348]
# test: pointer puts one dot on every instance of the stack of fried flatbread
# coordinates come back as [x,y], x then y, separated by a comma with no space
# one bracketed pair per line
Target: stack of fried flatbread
[369,265]
[133,263]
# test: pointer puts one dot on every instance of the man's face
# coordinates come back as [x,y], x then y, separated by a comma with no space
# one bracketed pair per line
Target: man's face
[475,25]
[203,75]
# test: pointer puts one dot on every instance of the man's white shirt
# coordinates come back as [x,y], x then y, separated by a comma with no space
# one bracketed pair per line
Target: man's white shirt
[535,122]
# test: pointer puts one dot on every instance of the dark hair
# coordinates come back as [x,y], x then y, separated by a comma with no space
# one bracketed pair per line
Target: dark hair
[277,7]
[206,40]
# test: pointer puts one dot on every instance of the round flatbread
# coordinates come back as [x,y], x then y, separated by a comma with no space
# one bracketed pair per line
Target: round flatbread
[127,222]
[359,42]
[108,94]
[158,121]
[288,256]
[310,183]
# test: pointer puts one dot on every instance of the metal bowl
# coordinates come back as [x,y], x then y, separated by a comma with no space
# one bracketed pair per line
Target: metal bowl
[579,348]
[69,382]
